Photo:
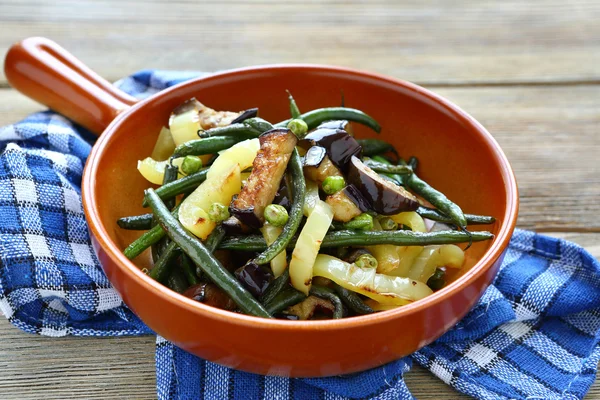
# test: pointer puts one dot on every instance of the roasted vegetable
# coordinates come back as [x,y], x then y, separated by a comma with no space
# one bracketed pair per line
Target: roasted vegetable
[316,117]
[244,115]
[164,145]
[308,245]
[383,288]
[324,170]
[344,209]
[254,278]
[279,263]
[385,197]
[314,156]
[307,307]
[276,147]
[154,171]
[192,117]
[340,146]
[211,295]
[193,213]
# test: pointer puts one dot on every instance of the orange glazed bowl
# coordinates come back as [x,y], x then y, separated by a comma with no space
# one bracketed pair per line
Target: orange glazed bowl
[457,156]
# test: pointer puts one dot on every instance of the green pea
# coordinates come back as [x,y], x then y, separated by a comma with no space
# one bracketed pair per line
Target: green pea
[298,127]
[333,184]
[362,222]
[191,165]
[276,215]
[218,212]
[366,261]
[388,224]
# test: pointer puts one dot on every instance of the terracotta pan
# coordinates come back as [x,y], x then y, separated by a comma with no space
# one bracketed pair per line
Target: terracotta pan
[457,155]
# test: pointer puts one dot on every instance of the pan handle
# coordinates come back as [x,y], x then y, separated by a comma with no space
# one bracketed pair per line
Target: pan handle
[42,70]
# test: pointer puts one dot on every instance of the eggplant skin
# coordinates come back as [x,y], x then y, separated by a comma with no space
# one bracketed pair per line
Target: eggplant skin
[340,146]
[211,295]
[314,156]
[262,185]
[385,197]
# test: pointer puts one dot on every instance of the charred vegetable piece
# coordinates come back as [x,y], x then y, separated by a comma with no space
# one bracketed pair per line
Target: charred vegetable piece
[276,147]
[204,258]
[234,226]
[328,294]
[316,117]
[254,278]
[242,153]
[324,170]
[340,146]
[192,116]
[385,197]
[314,156]
[307,308]
[437,280]
[210,295]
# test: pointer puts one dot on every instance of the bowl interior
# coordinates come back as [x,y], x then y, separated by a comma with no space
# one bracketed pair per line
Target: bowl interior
[455,155]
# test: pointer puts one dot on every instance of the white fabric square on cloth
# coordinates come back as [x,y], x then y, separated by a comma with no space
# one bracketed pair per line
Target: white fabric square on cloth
[25,191]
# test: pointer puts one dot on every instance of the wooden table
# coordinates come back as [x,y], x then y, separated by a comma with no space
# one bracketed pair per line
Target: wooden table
[529,71]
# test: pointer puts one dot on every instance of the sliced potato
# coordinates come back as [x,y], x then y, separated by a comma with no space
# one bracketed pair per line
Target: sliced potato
[154,171]
[193,116]
[242,153]
[279,263]
[308,245]
[217,189]
[366,281]
[164,146]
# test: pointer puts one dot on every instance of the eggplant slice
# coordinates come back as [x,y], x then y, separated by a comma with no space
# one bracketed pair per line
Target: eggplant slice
[344,207]
[319,173]
[385,197]
[339,145]
[262,185]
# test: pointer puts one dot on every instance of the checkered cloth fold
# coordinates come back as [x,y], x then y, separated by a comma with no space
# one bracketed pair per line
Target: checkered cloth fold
[533,335]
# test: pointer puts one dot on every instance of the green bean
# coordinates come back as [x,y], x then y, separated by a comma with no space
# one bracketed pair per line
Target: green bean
[146,240]
[176,281]
[203,258]
[215,238]
[413,163]
[284,299]
[295,215]
[352,300]
[294,111]
[364,238]
[366,261]
[163,265]
[259,124]
[180,186]
[388,169]
[136,222]
[472,219]
[437,281]
[238,129]
[328,294]
[363,222]
[298,128]
[275,287]
[188,270]
[316,117]
[438,199]
[398,178]
[171,172]
[208,145]
[373,147]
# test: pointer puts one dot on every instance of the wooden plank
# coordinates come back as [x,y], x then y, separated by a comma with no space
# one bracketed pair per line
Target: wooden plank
[433,42]
[549,133]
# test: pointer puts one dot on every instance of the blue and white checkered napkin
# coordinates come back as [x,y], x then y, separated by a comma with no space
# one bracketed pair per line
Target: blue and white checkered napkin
[534,334]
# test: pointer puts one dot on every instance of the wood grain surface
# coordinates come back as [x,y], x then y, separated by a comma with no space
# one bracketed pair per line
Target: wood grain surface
[528,71]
